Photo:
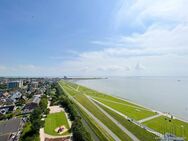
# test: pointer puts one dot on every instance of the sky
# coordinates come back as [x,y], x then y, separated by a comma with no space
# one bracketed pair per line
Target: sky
[93,38]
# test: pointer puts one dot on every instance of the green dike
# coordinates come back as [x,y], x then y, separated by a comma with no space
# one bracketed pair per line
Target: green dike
[99,131]
[82,99]
[72,85]
[166,125]
[70,90]
[67,83]
[94,93]
[55,120]
[130,111]
[139,132]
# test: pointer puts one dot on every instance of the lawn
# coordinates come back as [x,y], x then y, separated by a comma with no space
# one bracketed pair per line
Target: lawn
[82,99]
[166,125]
[136,113]
[139,132]
[55,120]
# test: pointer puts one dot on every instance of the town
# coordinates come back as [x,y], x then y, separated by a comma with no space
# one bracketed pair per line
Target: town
[19,97]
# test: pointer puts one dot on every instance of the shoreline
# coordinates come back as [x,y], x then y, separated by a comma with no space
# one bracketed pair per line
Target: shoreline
[130,101]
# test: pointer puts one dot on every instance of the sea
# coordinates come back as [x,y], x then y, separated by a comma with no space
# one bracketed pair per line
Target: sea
[165,94]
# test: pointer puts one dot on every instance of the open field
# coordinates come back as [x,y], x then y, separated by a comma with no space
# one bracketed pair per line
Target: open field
[166,125]
[130,111]
[82,99]
[55,120]
[139,132]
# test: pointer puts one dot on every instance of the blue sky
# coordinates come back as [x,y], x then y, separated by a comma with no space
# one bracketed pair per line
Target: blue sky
[93,38]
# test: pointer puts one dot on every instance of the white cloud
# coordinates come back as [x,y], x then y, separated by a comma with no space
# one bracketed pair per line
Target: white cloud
[162,49]
[143,12]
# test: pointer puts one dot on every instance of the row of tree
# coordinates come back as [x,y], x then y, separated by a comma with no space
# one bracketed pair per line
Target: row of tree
[78,130]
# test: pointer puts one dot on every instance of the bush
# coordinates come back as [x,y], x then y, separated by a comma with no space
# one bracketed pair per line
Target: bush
[79,132]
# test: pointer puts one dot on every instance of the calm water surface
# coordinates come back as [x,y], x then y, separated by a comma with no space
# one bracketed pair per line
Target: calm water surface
[166,94]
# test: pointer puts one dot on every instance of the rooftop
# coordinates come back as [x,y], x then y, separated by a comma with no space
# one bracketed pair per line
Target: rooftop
[10,126]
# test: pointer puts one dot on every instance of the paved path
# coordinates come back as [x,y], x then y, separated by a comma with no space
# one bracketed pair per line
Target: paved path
[132,136]
[55,109]
[133,121]
[116,138]
[43,135]
[149,118]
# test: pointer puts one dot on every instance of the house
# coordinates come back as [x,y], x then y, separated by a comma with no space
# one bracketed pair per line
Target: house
[34,84]
[15,96]
[5,94]
[10,129]
[6,109]
[29,107]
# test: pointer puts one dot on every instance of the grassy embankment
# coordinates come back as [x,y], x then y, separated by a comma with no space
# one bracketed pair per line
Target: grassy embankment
[84,101]
[163,125]
[99,131]
[139,132]
[55,120]
[131,110]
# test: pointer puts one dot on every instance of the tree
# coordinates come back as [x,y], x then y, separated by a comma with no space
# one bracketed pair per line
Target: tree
[43,103]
